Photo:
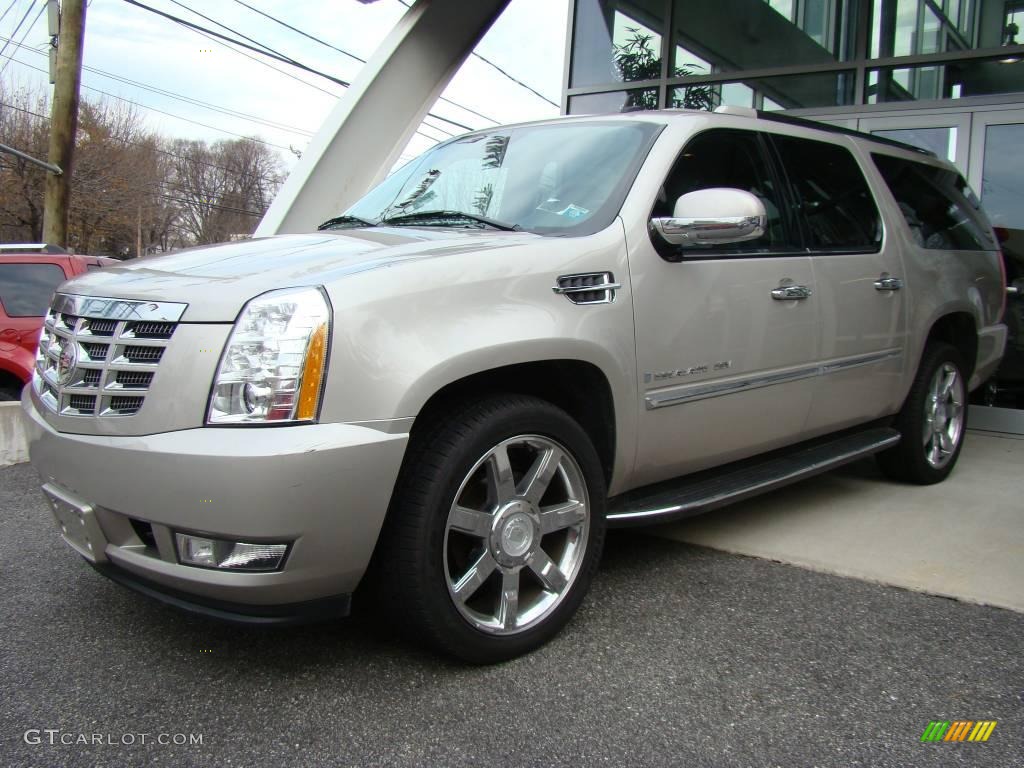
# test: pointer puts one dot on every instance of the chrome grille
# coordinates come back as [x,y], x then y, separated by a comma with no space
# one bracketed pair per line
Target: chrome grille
[98,356]
[143,354]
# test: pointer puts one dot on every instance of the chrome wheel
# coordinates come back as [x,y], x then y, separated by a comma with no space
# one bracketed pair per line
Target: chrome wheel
[516,534]
[944,415]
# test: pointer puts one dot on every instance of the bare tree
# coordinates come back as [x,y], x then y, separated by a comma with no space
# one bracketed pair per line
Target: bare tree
[222,190]
[134,191]
[24,126]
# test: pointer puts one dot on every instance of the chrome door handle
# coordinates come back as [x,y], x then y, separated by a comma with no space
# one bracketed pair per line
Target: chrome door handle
[888,284]
[791,292]
[1012,290]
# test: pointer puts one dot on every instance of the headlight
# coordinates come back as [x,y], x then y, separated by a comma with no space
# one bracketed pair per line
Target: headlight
[272,369]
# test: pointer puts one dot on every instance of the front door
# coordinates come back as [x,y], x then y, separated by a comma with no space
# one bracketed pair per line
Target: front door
[725,367]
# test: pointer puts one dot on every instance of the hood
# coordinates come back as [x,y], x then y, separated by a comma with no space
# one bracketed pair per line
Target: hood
[217,281]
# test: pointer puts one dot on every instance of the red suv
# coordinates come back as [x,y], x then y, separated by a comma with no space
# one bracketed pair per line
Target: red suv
[29,274]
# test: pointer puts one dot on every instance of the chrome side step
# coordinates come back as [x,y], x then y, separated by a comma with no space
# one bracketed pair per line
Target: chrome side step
[709,490]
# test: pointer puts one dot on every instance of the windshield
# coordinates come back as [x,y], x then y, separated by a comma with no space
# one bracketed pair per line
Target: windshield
[558,179]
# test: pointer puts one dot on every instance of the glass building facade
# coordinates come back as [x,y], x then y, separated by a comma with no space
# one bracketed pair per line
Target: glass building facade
[790,54]
[946,75]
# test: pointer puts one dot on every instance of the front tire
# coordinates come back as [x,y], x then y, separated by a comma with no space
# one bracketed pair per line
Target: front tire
[932,421]
[496,528]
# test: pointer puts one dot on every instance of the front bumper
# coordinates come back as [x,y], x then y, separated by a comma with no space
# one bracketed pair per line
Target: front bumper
[324,488]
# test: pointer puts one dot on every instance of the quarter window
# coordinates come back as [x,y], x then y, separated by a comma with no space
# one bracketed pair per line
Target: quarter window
[938,206]
[726,158]
[834,202]
[25,289]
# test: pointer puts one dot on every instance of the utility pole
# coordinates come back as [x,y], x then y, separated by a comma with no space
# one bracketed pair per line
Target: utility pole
[64,121]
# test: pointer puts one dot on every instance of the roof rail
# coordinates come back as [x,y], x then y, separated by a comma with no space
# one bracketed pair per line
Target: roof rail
[828,127]
[26,247]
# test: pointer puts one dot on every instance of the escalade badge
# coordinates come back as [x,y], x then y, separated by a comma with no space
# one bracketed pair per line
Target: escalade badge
[67,361]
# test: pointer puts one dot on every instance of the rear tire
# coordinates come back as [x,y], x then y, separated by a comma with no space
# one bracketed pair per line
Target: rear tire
[932,421]
[495,530]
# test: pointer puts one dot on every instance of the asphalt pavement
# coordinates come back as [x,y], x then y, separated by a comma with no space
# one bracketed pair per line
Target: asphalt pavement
[681,656]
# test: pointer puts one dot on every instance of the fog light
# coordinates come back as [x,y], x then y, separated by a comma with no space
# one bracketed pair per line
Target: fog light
[229,555]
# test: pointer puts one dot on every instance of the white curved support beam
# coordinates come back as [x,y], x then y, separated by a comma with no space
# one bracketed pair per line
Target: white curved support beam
[365,133]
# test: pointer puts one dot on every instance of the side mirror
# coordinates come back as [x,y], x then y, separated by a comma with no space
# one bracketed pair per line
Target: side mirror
[713,216]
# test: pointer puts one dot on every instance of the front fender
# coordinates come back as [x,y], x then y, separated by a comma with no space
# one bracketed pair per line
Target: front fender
[404,333]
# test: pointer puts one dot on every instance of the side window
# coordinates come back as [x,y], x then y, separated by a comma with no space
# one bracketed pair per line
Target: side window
[25,289]
[938,206]
[727,158]
[835,206]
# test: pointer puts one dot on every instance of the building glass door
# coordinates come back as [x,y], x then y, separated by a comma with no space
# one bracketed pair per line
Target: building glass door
[997,174]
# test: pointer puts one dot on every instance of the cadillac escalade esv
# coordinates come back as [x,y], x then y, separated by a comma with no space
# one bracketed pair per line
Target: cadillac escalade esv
[446,395]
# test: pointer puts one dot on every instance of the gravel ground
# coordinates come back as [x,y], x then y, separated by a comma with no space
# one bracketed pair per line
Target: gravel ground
[681,656]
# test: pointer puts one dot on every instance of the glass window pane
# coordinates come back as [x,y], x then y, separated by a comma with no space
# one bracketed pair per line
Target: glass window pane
[730,35]
[616,41]
[559,178]
[1002,192]
[25,289]
[937,205]
[613,101]
[830,89]
[1002,180]
[946,81]
[727,158]
[910,27]
[836,207]
[941,141]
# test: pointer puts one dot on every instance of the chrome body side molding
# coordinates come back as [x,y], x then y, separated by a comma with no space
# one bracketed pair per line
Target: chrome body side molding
[694,392]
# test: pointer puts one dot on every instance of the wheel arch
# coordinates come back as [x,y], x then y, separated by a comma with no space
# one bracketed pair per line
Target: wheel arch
[959,330]
[579,387]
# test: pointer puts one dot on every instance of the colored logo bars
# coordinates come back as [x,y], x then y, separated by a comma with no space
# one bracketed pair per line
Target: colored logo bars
[958,730]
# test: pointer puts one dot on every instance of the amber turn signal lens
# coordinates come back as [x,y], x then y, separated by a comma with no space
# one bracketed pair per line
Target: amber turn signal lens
[312,374]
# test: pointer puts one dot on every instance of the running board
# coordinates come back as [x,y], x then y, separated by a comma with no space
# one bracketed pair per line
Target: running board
[694,495]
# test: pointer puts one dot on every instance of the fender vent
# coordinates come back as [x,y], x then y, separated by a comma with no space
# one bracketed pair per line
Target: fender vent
[588,288]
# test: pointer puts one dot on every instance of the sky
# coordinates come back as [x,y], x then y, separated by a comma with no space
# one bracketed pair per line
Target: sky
[283,105]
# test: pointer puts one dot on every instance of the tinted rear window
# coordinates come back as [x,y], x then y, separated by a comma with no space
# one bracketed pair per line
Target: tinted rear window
[938,206]
[25,289]
[835,202]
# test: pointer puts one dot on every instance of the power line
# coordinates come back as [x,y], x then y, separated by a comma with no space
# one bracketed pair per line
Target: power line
[181,97]
[9,9]
[144,145]
[279,57]
[220,40]
[351,55]
[264,50]
[15,32]
[27,30]
[164,112]
[506,74]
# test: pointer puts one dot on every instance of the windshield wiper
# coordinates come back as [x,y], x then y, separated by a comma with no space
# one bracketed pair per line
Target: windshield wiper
[341,221]
[440,217]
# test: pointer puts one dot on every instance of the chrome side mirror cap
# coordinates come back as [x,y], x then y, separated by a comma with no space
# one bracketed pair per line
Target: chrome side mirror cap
[713,216]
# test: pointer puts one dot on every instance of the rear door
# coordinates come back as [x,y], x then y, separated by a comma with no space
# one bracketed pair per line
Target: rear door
[861,292]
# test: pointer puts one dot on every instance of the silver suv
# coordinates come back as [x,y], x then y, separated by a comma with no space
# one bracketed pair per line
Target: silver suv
[447,394]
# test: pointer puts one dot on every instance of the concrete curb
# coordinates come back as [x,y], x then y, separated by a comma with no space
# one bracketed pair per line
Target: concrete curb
[13,448]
